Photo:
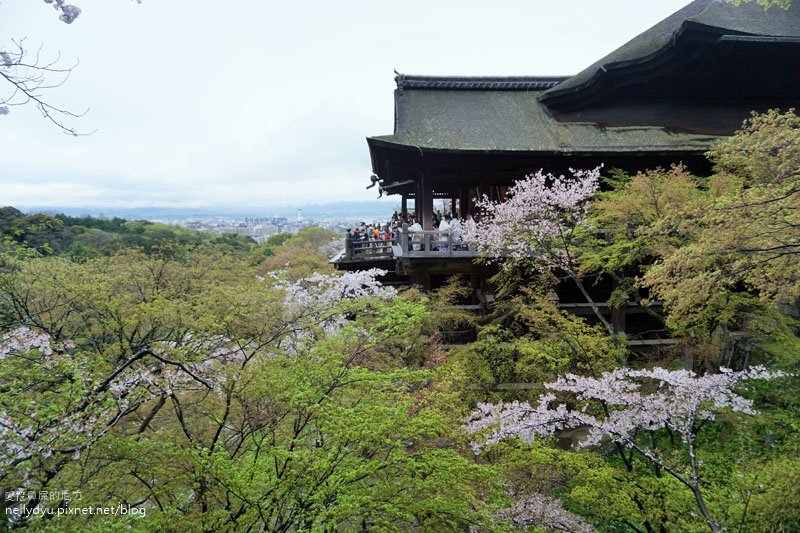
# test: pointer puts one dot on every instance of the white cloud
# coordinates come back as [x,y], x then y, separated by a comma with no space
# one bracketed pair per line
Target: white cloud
[257,103]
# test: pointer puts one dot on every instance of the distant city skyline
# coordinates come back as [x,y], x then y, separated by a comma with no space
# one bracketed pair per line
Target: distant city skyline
[259,225]
[328,209]
[255,105]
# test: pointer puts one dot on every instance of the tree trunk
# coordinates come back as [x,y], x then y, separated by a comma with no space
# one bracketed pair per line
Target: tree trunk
[704,510]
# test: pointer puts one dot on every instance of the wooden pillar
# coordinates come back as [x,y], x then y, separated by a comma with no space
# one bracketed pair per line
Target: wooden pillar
[463,203]
[404,207]
[417,200]
[421,280]
[688,357]
[475,194]
[453,206]
[423,203]
[484,189]
[618,319]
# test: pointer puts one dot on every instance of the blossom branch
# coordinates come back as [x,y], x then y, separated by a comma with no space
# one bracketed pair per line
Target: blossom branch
[673,400]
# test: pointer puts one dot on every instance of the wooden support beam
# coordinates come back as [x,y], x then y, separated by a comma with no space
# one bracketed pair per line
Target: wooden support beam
[618,315]
[507,386]
[463,203]
[651,342]
[425,208]
[484,189]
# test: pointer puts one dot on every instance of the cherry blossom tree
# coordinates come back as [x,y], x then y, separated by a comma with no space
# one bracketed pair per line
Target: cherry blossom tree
[52,408]
[541,511]
[620,406]
[28,75]
[318,302]
[327,291]
[94,349]
[159,369]
[539,220]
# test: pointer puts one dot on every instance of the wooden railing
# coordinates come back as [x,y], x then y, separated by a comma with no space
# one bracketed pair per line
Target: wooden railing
[368,249]
[430,243]
[424,243]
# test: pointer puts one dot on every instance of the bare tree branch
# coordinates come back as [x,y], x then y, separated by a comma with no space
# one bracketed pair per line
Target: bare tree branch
[28,77]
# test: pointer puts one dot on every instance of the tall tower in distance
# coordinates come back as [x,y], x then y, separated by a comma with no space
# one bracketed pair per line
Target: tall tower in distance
[299,216]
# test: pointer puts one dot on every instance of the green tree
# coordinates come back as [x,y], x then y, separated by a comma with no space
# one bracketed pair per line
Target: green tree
[744,235]
[212,400]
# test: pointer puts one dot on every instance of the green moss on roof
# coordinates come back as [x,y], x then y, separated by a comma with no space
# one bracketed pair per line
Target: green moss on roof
[517,121]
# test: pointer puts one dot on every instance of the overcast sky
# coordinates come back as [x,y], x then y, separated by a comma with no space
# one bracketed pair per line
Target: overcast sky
[256,104]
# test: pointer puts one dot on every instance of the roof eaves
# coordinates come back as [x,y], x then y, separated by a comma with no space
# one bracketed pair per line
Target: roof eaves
[649,61]
[387,141]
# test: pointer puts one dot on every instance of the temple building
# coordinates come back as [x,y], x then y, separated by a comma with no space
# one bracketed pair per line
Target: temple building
[662,98]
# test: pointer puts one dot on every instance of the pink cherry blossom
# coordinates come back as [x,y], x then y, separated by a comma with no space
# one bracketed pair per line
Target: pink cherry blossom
[317,299]
[537,219]
[627,402]
[541,511]
[679,399]
[68,12]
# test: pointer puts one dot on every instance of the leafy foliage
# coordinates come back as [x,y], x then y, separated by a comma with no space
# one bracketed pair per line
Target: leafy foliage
[714,260]
[183,383]
[223,386]
[82,238]
[745,235]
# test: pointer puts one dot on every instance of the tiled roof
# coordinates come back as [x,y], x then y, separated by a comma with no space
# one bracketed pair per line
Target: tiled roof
[744,19]
[517,113]
[517,121]
[477,83]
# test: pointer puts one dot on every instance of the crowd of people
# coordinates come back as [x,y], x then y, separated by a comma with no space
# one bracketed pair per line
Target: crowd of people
[446,232]
[373,232]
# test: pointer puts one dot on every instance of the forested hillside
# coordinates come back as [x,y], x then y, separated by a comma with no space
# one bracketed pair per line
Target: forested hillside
[84,237]
[203,383]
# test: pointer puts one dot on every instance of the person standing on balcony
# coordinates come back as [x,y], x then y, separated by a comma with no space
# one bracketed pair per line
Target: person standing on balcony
[444,234]
[455,232]
[416,235]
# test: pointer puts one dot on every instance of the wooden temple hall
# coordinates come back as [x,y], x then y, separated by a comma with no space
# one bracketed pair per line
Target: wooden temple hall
[662,98]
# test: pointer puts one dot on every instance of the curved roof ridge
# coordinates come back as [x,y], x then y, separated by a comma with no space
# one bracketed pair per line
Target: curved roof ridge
[749,18]
[477,83]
